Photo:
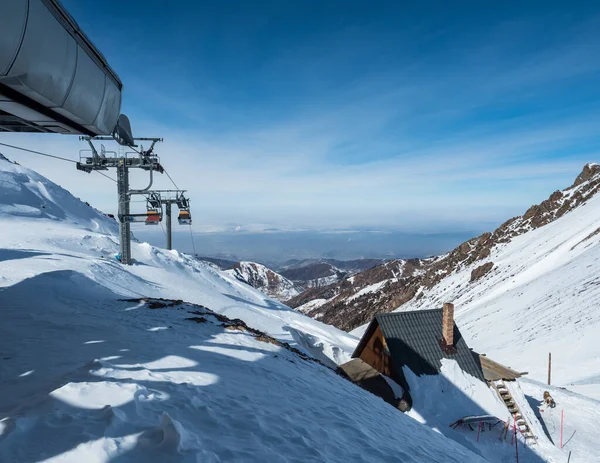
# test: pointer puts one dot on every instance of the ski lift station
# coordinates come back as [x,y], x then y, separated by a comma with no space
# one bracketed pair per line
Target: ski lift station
[52,78]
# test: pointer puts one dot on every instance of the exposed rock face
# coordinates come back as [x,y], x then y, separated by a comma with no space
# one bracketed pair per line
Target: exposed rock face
[588,172]
[353,301]
[265,280]
[480,271]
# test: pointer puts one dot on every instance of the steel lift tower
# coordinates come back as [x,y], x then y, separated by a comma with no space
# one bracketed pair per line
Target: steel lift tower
[103,160]
[168,198]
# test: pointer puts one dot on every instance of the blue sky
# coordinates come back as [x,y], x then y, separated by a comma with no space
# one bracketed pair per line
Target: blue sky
[441,115]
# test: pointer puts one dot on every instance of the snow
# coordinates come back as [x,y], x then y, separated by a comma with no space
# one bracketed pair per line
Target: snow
[540,297]
[368,289]
[440,400]
[581,418]
[310,305]
[86,375]
[394,386]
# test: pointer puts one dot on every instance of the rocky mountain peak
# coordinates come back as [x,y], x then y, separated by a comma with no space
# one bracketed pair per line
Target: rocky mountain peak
[589,171]
[264,279]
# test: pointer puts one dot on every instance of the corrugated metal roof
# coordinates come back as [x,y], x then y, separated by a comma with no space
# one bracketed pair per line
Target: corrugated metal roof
[413,339]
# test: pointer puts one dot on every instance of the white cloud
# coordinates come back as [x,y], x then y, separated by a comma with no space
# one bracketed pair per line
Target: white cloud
[398,149]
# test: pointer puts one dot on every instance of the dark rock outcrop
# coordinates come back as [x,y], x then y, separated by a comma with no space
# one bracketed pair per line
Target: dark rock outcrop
[480,271]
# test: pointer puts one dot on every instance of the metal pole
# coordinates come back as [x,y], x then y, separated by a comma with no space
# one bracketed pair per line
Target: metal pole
[549,366]
[124,225]
[562,424]
[169,238]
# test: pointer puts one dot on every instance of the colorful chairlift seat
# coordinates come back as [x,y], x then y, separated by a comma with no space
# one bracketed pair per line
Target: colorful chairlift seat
[153,218]
[184,217]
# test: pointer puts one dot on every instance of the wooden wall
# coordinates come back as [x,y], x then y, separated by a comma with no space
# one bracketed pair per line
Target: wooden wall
[375,353]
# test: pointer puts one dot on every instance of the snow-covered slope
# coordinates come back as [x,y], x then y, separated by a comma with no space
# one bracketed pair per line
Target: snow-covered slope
[87,374]
[26,194]
[439,400]
[529,288]
[265,280]
[580,416]
[540,296]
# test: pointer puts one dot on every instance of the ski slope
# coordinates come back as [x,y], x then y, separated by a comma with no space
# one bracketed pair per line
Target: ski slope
[87,374]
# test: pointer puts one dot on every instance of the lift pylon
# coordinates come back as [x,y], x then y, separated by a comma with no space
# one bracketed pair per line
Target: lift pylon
[147,160]
[168,198]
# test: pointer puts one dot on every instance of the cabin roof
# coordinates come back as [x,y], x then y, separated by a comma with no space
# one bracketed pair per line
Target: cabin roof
[493,371]
[413,339]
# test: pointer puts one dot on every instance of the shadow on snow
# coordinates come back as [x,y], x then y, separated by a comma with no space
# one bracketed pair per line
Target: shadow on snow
[215,404]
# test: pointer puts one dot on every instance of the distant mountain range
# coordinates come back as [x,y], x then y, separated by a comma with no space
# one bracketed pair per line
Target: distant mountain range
[293,277]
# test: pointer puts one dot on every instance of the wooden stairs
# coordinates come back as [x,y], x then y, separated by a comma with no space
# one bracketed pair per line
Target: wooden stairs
[513,408]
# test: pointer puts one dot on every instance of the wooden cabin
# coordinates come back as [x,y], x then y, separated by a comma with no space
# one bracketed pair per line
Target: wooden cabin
[418,340]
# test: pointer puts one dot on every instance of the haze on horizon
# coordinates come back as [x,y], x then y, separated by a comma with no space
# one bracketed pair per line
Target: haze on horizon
[330,115]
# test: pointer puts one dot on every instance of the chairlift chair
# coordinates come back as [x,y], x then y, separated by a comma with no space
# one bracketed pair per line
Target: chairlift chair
[184,217]
[153,209]
[183,203]
[153,217]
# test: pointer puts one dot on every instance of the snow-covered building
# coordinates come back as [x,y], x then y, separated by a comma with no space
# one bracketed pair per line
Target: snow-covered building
[401,354]
[417,340]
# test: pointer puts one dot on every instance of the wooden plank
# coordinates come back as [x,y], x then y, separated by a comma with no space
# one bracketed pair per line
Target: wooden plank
[493,370]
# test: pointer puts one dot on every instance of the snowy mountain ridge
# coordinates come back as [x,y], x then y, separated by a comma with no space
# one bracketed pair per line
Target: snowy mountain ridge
[265,280]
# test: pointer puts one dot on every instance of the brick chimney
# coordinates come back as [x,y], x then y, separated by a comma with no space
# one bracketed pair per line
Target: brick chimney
[448,325]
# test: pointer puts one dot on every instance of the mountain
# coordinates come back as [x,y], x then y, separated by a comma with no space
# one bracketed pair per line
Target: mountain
[101,361]
[527,288]
[265,280]
[314,273]
[170,359]
[349,266]
[294,275]
[222,264]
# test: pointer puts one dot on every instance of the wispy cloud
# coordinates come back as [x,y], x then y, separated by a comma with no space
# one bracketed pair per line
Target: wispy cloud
[468,134]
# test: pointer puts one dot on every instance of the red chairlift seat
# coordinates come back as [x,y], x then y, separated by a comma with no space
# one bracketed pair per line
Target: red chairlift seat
[153,218]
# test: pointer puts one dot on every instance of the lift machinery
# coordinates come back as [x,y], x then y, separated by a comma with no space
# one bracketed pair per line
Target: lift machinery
[143,159]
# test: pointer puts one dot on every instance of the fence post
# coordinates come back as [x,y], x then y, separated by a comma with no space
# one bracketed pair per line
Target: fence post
[516,440]
[562,422]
